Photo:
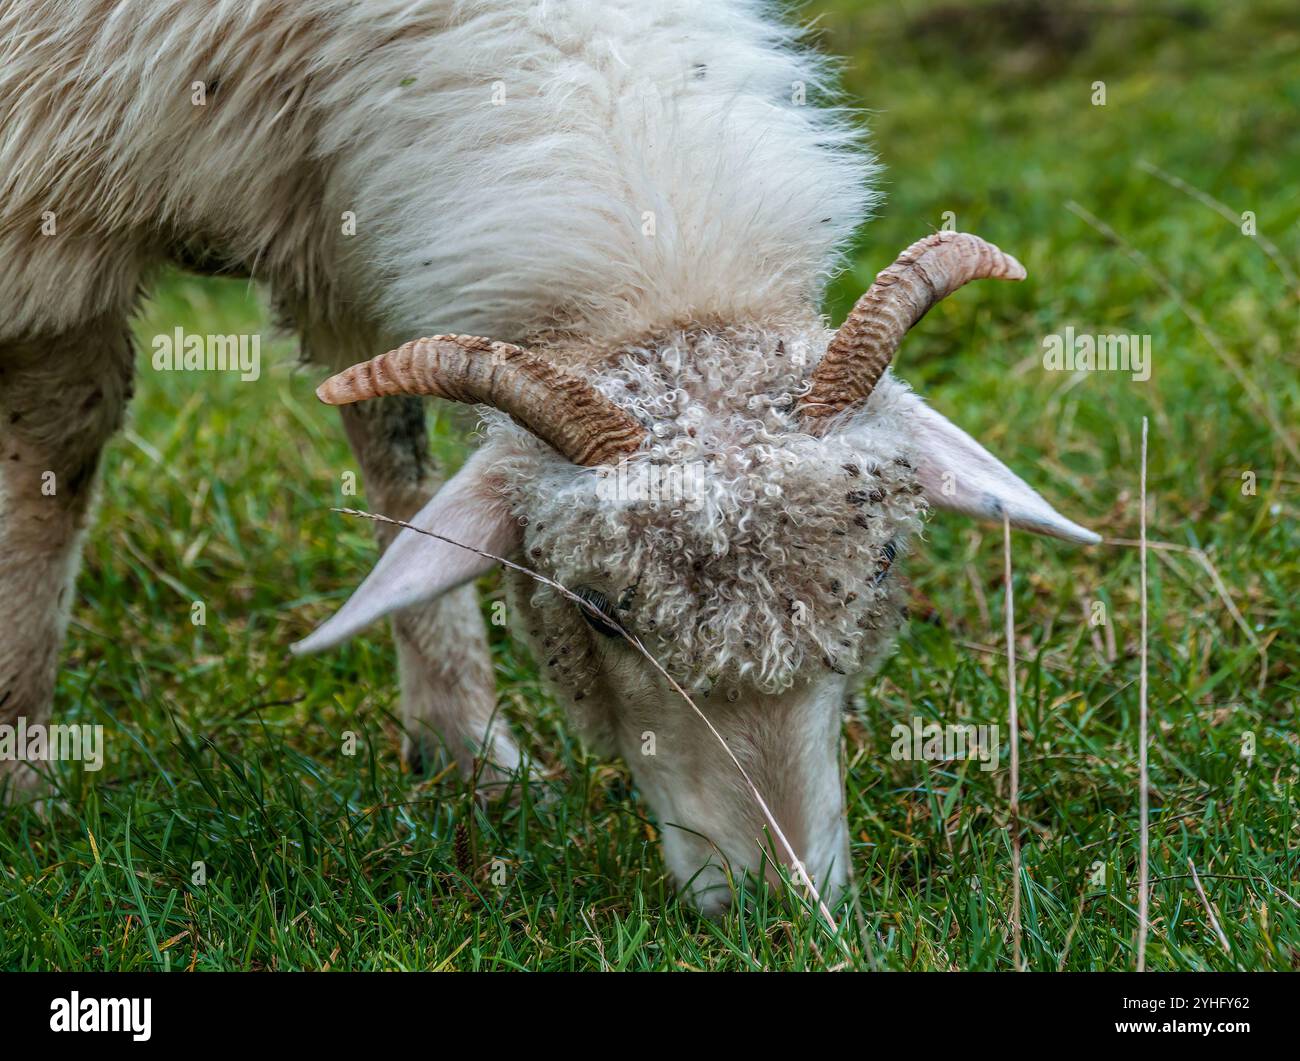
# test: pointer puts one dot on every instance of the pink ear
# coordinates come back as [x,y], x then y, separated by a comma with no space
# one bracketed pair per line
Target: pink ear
[416,568]
[960,475]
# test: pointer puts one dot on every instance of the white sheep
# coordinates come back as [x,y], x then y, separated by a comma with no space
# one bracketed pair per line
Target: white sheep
[640,196]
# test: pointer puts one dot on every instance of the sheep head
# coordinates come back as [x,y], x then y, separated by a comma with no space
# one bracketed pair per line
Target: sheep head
[743,522]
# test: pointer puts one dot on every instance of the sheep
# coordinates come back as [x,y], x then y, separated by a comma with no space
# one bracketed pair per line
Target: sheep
[638,203]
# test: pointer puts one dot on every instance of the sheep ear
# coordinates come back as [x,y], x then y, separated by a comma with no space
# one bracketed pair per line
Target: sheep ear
[960,475]
[416,568]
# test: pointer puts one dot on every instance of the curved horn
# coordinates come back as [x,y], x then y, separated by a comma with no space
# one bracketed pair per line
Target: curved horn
[929,270]
[563,411]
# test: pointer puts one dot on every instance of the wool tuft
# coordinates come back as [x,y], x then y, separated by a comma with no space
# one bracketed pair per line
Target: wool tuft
[771,553]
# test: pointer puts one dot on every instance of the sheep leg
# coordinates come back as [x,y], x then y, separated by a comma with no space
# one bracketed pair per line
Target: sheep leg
[448,688]
[61,399]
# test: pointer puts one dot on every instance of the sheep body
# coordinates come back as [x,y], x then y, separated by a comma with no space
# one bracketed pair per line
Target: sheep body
[605,168]
[581,174]
[643,193]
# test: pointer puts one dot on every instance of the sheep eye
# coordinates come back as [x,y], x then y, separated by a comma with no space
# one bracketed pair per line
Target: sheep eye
[608,626]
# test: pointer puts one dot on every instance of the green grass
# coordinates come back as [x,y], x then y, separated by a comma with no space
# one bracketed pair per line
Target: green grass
[223,751]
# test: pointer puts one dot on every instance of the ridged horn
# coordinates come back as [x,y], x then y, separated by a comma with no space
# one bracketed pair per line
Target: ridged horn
[929,270]
[563,411]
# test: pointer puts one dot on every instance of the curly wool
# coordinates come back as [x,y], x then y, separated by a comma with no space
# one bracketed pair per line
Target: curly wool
[776,559]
